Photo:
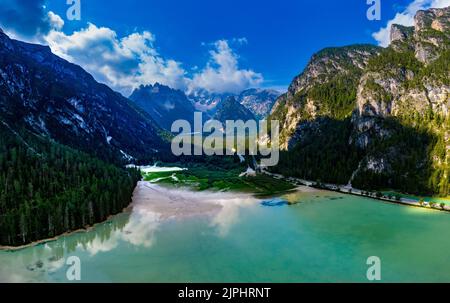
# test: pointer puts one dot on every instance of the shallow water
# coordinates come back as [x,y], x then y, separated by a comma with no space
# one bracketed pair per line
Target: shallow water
[326,237]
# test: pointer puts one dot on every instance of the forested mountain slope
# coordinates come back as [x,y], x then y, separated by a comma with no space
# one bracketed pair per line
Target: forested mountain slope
[376,118]
[47,189]
[55,98]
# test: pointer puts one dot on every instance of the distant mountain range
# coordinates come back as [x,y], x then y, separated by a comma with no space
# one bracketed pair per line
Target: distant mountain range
[165,105]
[258,101]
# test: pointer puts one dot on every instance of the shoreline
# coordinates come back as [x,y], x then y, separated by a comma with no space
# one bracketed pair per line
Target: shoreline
[66,234]
[346,189]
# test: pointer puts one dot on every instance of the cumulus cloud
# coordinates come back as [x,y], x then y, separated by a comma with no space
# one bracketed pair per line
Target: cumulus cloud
[406,18]
[124,63]
[222,73]
[24,19]
[55,21]
[128,62]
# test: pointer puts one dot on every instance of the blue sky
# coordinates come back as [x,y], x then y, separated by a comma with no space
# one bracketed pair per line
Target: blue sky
[215,45]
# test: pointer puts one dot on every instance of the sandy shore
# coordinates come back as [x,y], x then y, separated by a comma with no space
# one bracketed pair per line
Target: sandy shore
[174,204]
[183,202]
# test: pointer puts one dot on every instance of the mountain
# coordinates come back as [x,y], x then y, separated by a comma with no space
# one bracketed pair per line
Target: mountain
[326,88]
[258,101]
[49,189]
[231,109]
[401,120]
[164,104]
[375,118]
[59,100]
[207,102]
[63,141]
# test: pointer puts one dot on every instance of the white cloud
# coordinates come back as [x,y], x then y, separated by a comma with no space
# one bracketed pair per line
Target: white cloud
[406,18]
[123,63]
[56,22]
[222,73]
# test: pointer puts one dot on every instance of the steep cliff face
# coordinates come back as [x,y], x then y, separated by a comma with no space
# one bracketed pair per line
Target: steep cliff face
[395,112]
[327,88]
[59,100]
[407,83]
[412,72]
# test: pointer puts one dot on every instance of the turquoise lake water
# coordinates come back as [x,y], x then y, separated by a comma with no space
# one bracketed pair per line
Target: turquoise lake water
[326,237]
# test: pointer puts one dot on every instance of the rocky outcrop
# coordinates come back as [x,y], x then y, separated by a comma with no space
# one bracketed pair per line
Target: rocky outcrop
[408,79]
[434,18]
[400,32]
[408,82]
[328,63]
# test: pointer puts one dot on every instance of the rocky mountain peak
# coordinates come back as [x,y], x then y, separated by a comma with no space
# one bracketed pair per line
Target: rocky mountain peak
[429,36]
[259,101]
[435,18]
[163,104]
[400,32]
[231,109]
[331,77]
[409,74]
[329,62]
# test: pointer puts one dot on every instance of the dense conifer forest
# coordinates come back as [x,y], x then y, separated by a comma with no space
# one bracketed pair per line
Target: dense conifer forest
[48,189]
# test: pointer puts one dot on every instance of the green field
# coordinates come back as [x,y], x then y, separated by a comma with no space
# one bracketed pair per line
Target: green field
[219,179]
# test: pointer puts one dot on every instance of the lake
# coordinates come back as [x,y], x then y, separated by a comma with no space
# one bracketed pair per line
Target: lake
[325,237]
